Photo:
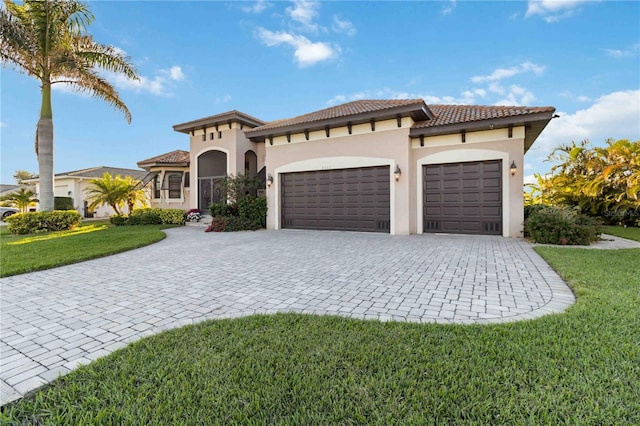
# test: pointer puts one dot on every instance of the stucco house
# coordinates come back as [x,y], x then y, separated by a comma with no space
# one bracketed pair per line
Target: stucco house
[73,184]
[168,179]
[395,166]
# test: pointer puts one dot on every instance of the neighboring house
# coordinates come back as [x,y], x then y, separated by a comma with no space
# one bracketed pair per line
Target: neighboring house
[73,184]
[8,189]
[395,166]
[169,179]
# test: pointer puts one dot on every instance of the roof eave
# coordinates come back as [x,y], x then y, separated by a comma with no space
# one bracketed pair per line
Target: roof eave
[144,165]
[534,124]
[217,120]
[417,113]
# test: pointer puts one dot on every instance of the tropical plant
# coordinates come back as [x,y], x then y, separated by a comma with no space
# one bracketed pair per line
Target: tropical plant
[22,175]
[236,188]
[115,192]
[48,40]
[600,181]
[134,195]
[22,199]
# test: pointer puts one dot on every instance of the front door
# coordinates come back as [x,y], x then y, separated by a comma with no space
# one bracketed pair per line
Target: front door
[208,193]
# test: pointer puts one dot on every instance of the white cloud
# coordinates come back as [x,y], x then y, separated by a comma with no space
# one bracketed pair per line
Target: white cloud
[306,52]
[161,84]
[343,26]
[304,12]
[584,99]
[554,10]
[3,124]
[517,96]
[502,73]
[614,115]
[618,53]
[175,73]
[223,99]
[258,7]
[529,178]
[449,7]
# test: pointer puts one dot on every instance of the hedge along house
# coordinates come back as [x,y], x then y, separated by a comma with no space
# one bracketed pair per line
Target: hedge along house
[168,180]
[394,166]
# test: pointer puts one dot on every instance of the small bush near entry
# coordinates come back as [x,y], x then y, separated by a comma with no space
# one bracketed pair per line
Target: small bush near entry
[118,220]
[224,210]
[218,224]
[144,217]
[171,216]
[254,209]
[156,216]
[62,203]
[36,222]
[231,224]
[561,225]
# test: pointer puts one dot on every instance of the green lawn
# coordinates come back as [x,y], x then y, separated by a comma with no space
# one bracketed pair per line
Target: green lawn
[619,231]
[580,367]
[28,253]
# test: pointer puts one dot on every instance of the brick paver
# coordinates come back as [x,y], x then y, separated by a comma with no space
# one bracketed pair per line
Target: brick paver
[52,321]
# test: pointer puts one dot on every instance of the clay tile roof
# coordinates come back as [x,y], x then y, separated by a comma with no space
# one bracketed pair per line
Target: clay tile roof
[454,114]
[173,157]
[339,111]
[98,172]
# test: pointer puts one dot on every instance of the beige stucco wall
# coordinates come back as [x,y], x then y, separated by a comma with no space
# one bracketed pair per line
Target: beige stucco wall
[387,145]
[390,145]
[233,142]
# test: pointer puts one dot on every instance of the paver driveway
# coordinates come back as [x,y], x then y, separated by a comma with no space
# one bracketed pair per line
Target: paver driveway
[51,321]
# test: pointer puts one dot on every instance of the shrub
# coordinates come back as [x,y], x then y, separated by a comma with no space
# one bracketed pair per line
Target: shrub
[62,203]
[118,220]
[218,224]
[156,216]
[172,216]
[528,210]
[35,222]
[231,224]
[145,217]
[561,225]
[254,209]
[222,209]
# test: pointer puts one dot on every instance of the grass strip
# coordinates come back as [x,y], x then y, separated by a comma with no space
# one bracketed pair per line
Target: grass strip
[629,233]
[92,239]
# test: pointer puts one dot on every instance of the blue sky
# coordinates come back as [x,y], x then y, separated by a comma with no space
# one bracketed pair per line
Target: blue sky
[275,60]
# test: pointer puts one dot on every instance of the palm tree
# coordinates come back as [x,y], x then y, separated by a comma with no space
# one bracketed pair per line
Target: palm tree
[134,195]
[107,190]
[22,199]
[48,40]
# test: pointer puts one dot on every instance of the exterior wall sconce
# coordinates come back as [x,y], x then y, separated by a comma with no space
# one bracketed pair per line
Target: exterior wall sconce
[269,180]
[69,193]
[513,168]
[397,173]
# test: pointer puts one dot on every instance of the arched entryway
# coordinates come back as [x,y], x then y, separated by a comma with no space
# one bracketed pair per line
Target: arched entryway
[250,163]
[212,167]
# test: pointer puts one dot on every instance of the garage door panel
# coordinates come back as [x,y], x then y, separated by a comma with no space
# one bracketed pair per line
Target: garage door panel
[356,199]
[463,197]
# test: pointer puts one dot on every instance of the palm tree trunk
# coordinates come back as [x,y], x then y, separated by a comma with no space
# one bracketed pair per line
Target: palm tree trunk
[44,146]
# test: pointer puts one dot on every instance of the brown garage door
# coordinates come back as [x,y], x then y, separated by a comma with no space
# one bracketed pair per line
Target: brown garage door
[463,198]
[344,199]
